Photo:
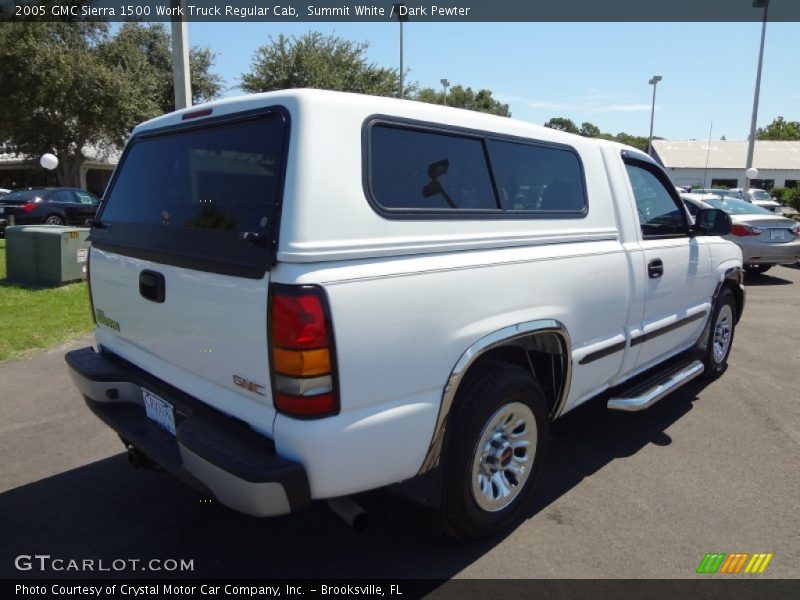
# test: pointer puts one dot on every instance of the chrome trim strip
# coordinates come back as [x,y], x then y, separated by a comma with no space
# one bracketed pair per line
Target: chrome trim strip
[493,340]
[656,393]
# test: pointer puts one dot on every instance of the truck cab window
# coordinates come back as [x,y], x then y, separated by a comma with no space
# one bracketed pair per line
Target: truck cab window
[659,215]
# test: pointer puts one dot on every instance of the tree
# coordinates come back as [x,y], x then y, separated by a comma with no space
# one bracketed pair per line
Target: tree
[144,53]
[562,124]
[779,129]
[328,62]
[589,130]
[67,86]
[637,141]
[314,60]
[461,97]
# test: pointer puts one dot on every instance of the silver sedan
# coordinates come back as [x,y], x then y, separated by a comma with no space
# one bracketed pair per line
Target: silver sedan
[765,238]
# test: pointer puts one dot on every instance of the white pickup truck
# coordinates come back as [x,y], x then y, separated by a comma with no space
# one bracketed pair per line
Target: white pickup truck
[303,295]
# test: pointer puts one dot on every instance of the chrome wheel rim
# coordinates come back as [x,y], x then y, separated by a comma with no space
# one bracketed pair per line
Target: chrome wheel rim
[503,457]
[722,333]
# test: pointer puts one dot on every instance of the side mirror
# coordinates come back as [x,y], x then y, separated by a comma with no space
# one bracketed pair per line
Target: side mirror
[712,221]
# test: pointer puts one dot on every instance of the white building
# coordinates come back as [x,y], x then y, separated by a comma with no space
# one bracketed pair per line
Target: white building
[17,171]
[722,163]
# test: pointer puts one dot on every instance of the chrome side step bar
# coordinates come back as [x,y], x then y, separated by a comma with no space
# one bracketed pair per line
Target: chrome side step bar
[656,392]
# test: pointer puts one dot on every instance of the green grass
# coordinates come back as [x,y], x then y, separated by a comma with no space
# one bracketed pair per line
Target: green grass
[34,319]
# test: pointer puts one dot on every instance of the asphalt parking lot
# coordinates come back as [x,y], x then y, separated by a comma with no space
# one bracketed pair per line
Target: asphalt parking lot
[710,468]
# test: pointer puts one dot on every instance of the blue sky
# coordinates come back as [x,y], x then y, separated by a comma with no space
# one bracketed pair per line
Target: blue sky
[595,72]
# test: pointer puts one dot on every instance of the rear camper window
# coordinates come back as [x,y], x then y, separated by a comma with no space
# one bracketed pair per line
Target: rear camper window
[416,172]
[208,194]
[420,170]
[537,178]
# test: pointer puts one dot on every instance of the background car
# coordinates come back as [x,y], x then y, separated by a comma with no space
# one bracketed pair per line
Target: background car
[50,206]
[765,238]
[758,197]
[3,191]
[718,193]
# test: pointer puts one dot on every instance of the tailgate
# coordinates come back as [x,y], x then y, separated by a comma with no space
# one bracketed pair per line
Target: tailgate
[208,337]
[181,256]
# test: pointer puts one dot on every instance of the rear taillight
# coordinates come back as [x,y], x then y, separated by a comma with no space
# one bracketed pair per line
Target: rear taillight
[795,230]
[28,207]
[302,352]
[745,230]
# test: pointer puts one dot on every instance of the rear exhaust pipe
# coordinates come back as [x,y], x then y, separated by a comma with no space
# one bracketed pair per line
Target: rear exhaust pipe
[350,512]
[138,460]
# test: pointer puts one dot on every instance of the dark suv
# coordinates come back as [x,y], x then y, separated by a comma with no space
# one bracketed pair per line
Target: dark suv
[50,206]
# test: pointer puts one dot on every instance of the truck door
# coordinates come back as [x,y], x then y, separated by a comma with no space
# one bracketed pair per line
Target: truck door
[675,266]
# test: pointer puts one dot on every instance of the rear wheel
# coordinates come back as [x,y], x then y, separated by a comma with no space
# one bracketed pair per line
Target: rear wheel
[495,450]
[720,340]
[54,220]
[757,269]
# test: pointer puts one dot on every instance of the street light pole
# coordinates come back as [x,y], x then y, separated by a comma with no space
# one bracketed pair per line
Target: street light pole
[402,16]
[654,82]
[180,58]
[445,85]
[751,142]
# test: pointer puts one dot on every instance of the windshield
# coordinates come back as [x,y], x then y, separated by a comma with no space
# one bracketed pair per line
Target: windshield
[761,195]
[732,206]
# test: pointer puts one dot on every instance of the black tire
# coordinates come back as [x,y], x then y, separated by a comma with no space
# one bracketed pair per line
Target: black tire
[54,220]
[494,387]
[757,269]
[716,362]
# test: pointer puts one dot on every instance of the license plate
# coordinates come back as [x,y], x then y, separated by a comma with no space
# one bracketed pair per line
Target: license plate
[2,209]
[776,234]
[159,410]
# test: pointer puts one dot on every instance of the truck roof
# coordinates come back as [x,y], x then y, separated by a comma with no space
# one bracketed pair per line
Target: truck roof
[313,99]
[327,141]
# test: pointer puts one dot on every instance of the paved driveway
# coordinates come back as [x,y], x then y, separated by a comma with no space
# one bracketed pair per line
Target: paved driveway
[624,495]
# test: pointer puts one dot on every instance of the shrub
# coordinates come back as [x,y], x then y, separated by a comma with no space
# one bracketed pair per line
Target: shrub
[779,193]
[792,198]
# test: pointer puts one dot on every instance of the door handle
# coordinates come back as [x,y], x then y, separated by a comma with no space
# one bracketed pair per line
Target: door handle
[152,286]
[655,268]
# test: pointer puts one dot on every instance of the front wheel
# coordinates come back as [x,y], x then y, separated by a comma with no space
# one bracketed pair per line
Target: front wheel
[495,450]
[720,336]
[757,269]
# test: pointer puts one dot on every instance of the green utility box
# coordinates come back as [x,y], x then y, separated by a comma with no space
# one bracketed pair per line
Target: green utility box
[46,255]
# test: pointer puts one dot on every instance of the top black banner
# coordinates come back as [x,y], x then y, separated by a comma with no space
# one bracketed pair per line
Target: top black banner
[413,10]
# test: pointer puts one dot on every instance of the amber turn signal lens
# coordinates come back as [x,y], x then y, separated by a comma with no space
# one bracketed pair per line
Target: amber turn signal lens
[301,363]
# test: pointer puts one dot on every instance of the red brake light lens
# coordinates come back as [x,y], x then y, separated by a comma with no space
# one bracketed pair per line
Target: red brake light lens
[306,406]
[30,206]
[745,230]
[298,322]
[203,112]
